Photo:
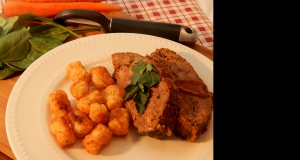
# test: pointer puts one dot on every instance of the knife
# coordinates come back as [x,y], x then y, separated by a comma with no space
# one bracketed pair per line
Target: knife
[174,32]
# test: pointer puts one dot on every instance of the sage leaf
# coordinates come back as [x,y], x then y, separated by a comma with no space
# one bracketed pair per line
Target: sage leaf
[14,46]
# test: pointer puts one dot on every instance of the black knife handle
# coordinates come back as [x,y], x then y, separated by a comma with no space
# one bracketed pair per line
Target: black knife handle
[177,33]
[83,14]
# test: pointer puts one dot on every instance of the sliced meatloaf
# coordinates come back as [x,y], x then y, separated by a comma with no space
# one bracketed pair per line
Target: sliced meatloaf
[159,117]
[194,111]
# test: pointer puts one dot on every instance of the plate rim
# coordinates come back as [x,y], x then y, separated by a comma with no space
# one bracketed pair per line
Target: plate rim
[27,72]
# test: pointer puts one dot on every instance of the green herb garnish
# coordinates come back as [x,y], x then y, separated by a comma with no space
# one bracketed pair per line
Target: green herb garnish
[142,80]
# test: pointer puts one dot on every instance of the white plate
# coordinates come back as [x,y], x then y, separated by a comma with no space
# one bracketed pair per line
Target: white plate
[28,115]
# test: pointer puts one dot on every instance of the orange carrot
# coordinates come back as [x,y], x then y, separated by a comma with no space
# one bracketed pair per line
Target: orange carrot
[51,9]
[52,1]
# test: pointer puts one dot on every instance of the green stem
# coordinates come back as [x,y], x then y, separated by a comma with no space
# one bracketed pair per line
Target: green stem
[58,25]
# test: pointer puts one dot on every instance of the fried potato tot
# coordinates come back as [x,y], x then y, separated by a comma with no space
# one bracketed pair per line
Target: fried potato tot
[59,103]
[96,139]
[79,89]
[119,121]
[99,114]
[83,104]
[76,72]
[62,131]
[112,97]
[80,123]
[101,78]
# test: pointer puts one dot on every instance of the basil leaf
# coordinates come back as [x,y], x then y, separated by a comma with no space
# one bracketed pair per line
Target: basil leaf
[14,46]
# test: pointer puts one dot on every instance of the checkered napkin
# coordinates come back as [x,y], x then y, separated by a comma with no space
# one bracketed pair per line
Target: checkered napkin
[183,12]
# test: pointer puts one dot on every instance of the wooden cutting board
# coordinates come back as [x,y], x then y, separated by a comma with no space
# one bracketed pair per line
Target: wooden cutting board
[7,85]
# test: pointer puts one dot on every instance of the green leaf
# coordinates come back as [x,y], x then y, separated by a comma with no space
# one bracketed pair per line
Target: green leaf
[143,78]
[140,67]
[5,72]
[14,68]
[135,77]
[14,46]
[143,96]
[30,58]
[49,31]
[150,67]
[8,25]
[140,108]
[25,17]
[149,79]
[44,44]
[130,91]
[1,31]
[2,21]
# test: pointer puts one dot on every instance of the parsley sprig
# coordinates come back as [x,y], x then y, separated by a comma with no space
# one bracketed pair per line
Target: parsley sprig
[142,80]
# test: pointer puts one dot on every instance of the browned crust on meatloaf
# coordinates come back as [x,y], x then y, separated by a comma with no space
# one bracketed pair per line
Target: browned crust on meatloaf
[158,119]
[194,113]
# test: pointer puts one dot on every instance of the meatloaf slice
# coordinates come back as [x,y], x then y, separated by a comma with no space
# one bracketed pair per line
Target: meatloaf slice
[158,119]
[194,112]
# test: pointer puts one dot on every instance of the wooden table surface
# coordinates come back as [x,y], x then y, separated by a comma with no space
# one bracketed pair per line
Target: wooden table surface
[7,85]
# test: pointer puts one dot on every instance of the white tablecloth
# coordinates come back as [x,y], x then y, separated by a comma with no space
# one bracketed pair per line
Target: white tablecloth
[207,8]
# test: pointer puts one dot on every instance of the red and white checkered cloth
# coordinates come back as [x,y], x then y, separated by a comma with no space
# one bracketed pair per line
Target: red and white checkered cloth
[183,12]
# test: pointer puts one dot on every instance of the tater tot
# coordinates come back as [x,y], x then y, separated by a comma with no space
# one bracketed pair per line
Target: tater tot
[80,123]
[62,131]
[76,72]
[112,97]
[59,103]
[101,78]
[96,139]
[99,114]
[79,89]
[83,104]
[119,121]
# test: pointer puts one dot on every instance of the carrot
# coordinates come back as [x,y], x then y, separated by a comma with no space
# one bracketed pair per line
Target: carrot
[52,1]
[51,9]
